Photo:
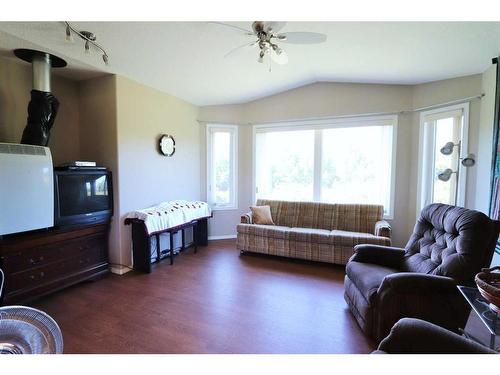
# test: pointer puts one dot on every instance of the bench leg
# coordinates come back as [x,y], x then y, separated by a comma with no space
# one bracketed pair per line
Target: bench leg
[158,250]
[171,248]
[195,240]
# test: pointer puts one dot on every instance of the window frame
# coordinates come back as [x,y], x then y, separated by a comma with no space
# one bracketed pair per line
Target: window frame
[233,130]
[330,123]
[423,186]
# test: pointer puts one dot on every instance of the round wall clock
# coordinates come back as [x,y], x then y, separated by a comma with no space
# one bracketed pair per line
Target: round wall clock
[167,145]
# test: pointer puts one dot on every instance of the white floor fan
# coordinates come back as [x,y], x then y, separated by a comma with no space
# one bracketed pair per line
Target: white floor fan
[25,330]
[267,37]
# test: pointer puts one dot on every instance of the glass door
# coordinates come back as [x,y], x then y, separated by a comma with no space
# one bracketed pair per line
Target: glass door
[443,146]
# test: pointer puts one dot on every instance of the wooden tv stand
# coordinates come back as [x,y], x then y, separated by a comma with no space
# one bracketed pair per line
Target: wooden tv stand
[42,262]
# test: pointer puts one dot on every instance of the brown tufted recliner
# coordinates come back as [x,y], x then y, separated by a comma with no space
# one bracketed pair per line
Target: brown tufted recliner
[449,245]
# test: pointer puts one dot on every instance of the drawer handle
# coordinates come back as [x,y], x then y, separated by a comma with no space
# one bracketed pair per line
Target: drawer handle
[41,275]
[36,261]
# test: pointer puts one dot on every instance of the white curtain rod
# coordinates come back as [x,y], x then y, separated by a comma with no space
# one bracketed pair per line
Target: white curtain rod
[434,106]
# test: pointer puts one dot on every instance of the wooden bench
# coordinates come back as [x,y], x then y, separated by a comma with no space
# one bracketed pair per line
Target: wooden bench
[141,241]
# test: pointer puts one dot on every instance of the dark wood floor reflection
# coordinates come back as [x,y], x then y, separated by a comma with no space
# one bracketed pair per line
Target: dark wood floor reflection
[215,301]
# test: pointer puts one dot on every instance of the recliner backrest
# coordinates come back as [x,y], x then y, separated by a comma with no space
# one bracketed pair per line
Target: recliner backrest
[451,241]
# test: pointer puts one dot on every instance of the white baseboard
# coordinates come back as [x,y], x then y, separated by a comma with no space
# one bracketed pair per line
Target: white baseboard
[119,270]
[227,237]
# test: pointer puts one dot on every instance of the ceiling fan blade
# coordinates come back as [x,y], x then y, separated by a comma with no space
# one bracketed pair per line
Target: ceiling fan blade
[302,38]
[234,50]
[237,28]
[281,58]
[273,26]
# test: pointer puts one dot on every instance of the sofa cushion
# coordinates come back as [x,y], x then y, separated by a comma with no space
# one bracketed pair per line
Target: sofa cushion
[274,231]
[367,277]
[310,235]
[346,238]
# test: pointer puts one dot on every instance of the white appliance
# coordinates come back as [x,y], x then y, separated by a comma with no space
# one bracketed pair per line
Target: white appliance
[26,188]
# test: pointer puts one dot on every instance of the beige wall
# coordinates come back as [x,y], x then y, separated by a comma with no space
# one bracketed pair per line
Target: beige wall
[15,87]
[121,124]
[442,92]
[98,138]
[145,176]
[116,122]
[337,99]
[316,100]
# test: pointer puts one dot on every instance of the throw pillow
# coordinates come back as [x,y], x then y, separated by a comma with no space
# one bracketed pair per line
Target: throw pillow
[262,215]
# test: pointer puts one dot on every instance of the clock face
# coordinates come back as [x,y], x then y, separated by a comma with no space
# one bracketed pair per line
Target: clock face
[167,145]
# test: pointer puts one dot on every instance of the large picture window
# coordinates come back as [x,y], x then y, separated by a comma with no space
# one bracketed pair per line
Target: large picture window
[339,161]
[222,166]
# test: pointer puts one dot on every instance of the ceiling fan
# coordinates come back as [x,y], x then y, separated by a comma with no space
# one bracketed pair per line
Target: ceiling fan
[268,37]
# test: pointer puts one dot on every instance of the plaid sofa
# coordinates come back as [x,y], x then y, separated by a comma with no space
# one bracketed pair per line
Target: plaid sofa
[314,231]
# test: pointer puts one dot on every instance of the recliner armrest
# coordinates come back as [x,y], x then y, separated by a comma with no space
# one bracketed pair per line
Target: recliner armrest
[435,299]
[246,218]
[421,283]
[383,229]
[375,254]
[415,336]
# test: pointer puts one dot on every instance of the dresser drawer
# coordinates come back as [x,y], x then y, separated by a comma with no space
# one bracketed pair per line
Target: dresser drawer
[42,274]
[36,264]
[43,255]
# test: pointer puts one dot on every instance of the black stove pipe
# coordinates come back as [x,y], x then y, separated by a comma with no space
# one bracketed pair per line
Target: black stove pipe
[43,106]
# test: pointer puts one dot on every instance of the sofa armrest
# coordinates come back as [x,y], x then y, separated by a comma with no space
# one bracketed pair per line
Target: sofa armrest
[375,254]
[246,218]
[435,299]
[383,229]
[415,336]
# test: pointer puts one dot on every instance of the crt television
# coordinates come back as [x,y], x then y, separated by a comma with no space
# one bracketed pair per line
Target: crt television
[82,196]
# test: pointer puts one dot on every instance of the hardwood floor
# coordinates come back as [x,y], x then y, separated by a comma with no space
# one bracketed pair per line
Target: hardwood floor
[215,301]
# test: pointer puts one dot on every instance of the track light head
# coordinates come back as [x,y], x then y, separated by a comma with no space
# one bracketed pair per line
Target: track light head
[105,59]
[87,47]
[469,160]
[445,175]
[447,149]
[69,36]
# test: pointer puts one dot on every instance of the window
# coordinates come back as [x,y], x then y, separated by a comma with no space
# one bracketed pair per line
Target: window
[222,166]
[342,161]
[443,143]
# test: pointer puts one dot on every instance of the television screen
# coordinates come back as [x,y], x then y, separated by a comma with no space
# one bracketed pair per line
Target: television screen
[82,193]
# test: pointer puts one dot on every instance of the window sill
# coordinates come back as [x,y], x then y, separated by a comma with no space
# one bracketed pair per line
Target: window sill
[225,208]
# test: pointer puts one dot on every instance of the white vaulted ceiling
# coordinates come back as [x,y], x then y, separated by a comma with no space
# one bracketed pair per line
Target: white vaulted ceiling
[186,59]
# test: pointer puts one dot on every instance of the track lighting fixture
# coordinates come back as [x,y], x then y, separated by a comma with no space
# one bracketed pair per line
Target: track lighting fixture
[89,38]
